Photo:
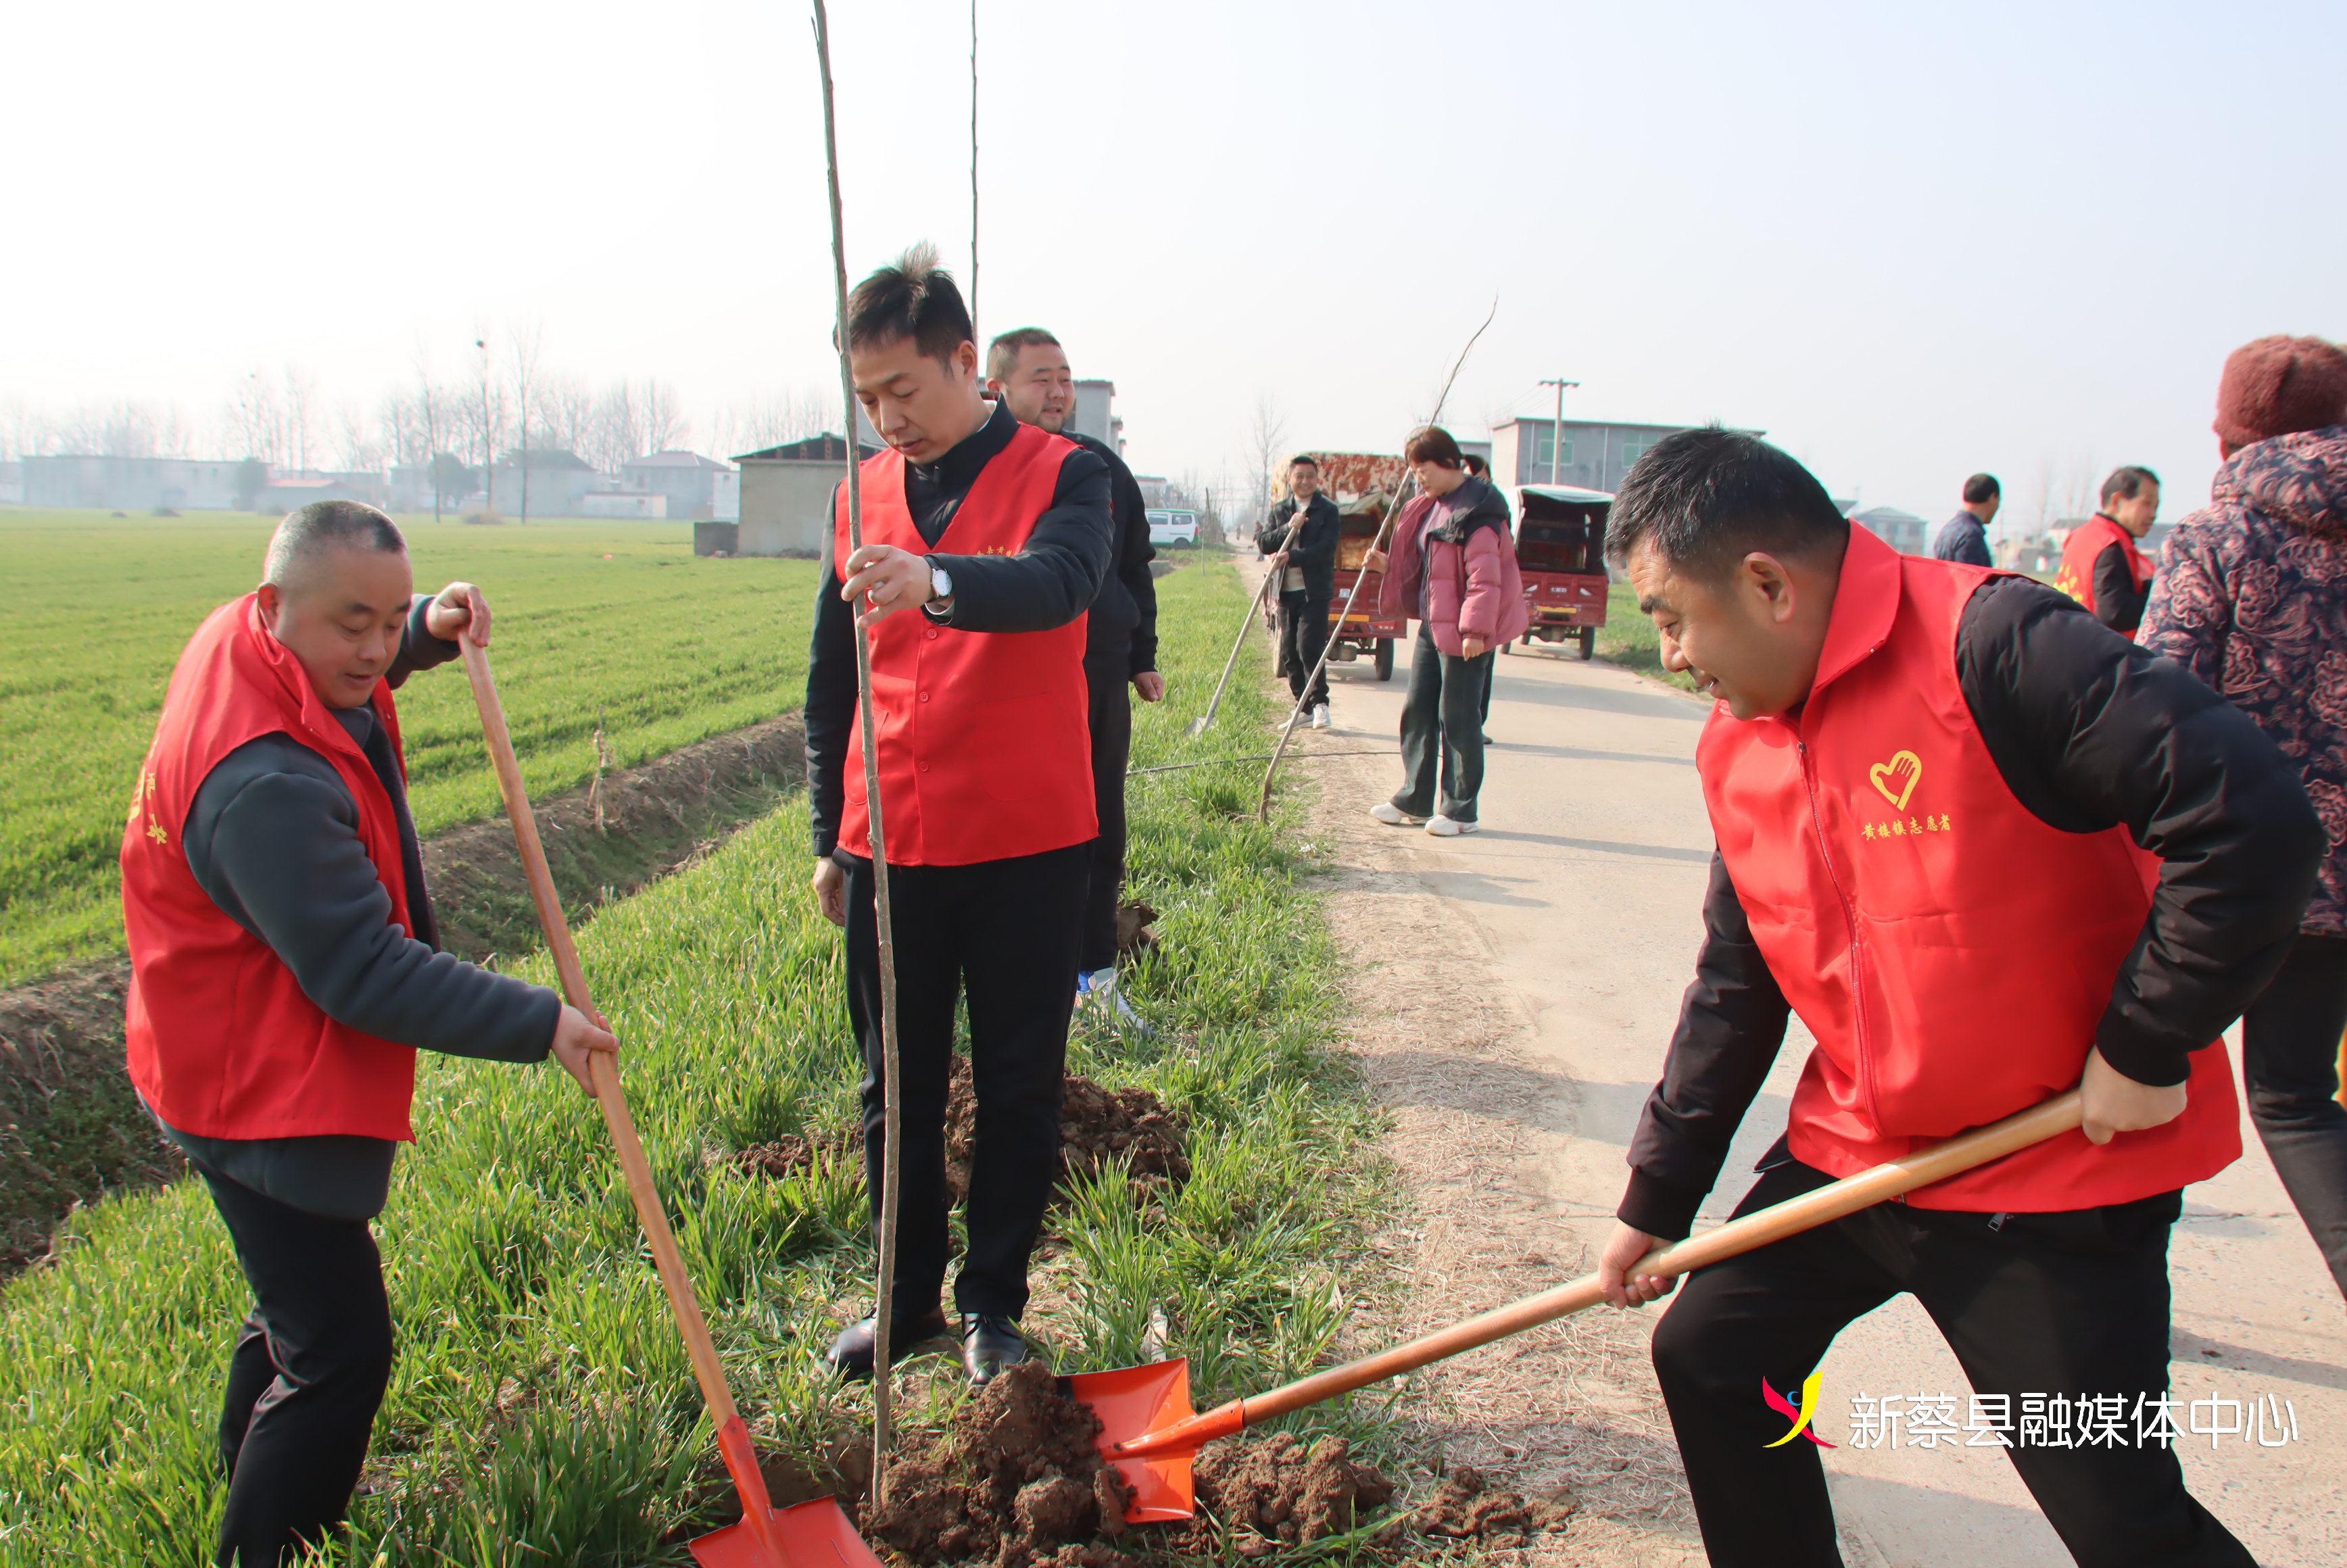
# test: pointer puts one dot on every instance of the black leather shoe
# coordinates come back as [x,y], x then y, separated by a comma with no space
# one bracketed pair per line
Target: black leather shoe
[851,1354]
[990,1343]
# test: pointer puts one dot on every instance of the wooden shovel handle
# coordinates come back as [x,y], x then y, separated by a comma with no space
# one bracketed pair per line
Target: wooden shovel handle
[732,1436]
[1846,1196]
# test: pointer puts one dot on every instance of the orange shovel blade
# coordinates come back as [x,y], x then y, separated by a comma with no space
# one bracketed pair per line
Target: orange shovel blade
[811,1534]
[1132,1401]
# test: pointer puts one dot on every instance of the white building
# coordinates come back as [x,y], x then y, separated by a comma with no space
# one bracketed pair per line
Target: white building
[785,505]
[688,479]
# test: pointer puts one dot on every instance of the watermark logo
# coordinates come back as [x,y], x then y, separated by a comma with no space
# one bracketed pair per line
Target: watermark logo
[1798,1417]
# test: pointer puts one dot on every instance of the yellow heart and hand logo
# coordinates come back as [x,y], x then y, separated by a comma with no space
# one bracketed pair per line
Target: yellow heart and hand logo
[1897,778]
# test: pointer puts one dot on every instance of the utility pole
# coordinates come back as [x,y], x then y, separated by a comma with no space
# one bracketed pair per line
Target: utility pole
[1556,445]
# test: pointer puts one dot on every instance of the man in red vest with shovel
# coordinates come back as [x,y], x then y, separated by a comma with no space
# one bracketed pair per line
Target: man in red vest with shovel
[985,541]
[285,973]
[1986,849]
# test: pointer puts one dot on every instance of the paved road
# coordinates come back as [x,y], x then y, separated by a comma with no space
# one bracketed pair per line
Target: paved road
[1586,883]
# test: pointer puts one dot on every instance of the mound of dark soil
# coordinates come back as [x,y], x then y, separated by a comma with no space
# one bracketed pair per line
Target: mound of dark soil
[1467,1507]
[1096,1126]
[795,1152]
[1273,1491]
[1018,1479]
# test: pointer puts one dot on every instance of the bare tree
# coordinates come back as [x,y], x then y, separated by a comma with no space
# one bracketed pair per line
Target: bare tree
[255,421]
[616,433]
[304,418]
[566,414]
[523,353]
[358,442]
[665,423]
[486,418]
[762,422]
[1266,441]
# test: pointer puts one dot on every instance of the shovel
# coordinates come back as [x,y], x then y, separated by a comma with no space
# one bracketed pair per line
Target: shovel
[811,1535]
[1149,1432]
[1198,725]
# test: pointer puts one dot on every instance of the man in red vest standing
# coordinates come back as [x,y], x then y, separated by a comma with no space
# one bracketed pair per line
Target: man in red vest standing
[985,542]
[2101,566]
[284,975]
[1987,850]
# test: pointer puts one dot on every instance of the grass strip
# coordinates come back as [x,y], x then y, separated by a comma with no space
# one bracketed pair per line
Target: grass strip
[542,1408]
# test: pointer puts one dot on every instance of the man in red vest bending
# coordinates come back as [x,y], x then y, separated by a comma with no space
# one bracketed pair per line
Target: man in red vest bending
[985,540]
[2101,566]
[285,974]
[1986,849]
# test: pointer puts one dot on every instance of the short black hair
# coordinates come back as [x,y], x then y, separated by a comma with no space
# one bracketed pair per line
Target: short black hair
[1707,498]
[1477,466]
[1432,444]
[1305,460]
[1002,354]
[1981,487]
[914,298]
[310,531]
[2127,483]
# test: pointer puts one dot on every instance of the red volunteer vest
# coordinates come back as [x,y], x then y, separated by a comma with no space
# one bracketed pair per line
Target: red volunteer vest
[984,741]
[1951,953]
[2084,546]
[222,1041]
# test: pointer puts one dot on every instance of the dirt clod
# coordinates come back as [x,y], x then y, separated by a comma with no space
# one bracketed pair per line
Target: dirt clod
[792,1152]
[1285,1492]
[1097,1126]
[1467,1507]
[1018,1479]
[1134,937]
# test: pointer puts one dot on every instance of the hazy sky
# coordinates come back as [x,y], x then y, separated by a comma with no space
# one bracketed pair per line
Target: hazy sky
[1907,241]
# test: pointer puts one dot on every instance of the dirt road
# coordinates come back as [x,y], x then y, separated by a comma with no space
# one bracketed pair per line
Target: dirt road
[1515,991]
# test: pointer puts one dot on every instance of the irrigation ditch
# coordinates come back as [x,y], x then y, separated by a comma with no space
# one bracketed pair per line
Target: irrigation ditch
[71,1129]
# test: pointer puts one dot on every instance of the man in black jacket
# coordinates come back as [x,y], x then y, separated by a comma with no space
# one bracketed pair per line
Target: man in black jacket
[1782,611]
[1963,539]
[1307,569]
[987,905]
[1027,372]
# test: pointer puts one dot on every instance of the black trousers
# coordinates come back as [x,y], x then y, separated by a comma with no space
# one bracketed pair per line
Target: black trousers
[1303,638]
[2290,1050]
[1442,730]
[2067,1302]
[1002,935]
[1112,724]
[308,1373]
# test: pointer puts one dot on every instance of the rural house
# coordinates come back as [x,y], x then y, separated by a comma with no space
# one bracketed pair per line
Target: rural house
[690,482]
[785,498]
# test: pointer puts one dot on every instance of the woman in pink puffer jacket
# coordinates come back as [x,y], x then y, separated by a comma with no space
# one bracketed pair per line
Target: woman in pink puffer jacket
[1452,568]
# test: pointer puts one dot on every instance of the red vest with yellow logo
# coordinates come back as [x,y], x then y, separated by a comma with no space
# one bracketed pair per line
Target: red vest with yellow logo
[221,1040]
[2086,546]
[1951,953]
[984,740]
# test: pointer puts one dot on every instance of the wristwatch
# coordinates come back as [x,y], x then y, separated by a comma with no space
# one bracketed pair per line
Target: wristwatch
[940,587]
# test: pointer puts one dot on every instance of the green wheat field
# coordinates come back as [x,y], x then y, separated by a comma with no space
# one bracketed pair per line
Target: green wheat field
[613,622]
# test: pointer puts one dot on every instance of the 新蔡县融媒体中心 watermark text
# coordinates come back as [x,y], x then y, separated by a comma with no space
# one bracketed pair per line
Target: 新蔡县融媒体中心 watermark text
[2067,1420]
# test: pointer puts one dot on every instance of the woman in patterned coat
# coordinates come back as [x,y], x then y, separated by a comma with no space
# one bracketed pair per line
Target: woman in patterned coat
[2252,597]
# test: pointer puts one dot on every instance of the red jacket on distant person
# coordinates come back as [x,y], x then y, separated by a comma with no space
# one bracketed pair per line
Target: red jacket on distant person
[1953,953]
[985,743]
[221,1040]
